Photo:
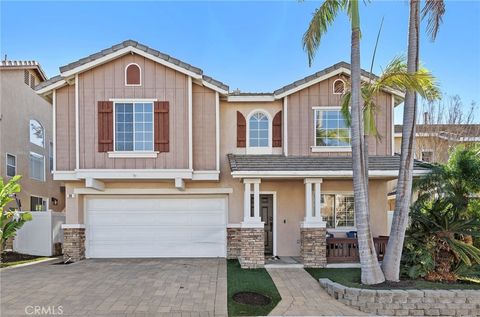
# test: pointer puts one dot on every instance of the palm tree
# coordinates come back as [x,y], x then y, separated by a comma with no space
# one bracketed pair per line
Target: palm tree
[323,17]
[434,9]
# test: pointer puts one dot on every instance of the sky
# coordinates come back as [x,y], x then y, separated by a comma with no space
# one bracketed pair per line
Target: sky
[252,46]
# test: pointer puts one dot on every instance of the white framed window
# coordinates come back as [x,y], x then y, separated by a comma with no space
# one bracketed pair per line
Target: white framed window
[38,203]
[133,126]
[37,166]
[338,210]
[339,87]
[37,133]
[259,132]
[50,155]
[11,161]
[331,131]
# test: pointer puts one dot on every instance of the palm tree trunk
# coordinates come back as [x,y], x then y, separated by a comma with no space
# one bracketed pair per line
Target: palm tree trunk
[393,254]
[371,272]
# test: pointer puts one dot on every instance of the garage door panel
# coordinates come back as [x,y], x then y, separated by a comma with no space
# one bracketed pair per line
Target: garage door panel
[156,227]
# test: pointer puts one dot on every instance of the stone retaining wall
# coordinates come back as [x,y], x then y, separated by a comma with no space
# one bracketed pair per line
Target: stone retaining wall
[407,302]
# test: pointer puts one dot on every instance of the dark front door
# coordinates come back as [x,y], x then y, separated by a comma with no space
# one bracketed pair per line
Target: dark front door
[266,214]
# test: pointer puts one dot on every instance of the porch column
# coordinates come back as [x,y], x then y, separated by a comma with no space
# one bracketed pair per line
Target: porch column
[252,246]
[313,248]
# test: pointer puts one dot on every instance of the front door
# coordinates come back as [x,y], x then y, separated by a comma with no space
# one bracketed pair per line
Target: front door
[266,214]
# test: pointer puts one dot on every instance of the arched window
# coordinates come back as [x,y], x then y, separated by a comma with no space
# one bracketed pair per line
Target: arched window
[37,133]
[338,87]
[258,130]
[132,75]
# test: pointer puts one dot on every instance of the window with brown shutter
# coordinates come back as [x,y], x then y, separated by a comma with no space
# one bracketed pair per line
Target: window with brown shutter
[105,126]
[162,126]
[132,75]
[241,130]
[277,130]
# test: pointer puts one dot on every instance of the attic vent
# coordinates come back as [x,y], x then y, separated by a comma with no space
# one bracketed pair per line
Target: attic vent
[132,75]
[32,81]
[26,77]
[338,87]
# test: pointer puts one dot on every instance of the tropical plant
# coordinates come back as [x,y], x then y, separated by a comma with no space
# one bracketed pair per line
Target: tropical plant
[10,220]
[433,11]
[323,17]
[443,222]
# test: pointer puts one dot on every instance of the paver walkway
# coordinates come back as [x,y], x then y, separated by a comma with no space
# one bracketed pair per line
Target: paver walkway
[302,296]
[118,287]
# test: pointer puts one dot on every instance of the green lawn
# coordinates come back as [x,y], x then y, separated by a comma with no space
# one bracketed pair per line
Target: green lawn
[351,278]
[254,280]
[2,265]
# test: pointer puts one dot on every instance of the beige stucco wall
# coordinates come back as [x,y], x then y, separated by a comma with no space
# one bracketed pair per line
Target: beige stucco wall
[18,104]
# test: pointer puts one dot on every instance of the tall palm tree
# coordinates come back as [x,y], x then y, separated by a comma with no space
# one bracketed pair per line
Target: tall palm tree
[323,17]
[434,10]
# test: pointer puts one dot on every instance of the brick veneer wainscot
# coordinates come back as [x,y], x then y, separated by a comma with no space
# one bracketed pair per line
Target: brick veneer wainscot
[234,243]
[74,244]
[252,250]
[406,302]
[313,247]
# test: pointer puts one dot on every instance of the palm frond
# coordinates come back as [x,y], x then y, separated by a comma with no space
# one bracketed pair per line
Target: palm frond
[434,11]
[322,19]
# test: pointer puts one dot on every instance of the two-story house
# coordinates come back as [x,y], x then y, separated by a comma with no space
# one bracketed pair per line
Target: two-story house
[26,137]
[160,160]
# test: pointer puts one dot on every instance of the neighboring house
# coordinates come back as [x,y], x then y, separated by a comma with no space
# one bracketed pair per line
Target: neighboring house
[160,160]
[26,139]
[435,142]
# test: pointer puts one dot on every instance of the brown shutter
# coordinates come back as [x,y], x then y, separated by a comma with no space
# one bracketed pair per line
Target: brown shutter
[241,130]
[162,126]
[277,130]
[105,126]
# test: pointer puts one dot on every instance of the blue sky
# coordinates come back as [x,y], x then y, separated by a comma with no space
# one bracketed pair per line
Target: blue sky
[253,46]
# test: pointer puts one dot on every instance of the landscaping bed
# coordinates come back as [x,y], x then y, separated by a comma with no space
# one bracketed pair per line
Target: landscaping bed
[243,282]
[351,278]
[10,258]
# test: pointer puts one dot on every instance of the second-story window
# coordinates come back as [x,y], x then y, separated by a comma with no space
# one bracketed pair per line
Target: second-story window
[37,133]
[258,130]
[331,128]
[134,126]
[37,166]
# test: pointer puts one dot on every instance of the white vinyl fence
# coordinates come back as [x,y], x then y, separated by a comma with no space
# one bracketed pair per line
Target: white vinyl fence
[38,236]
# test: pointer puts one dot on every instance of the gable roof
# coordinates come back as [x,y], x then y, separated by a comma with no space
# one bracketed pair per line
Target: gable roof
[9,64]
[121,49]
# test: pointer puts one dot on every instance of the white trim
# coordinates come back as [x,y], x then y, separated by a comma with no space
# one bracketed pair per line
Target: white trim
[321,149]
[285,126]
[154,191]
[206,175]
[234,225]
[29,167]
[215,88]
[64,176]
[324,174]
[260,149]
[6,164]
[94,184]
[133,154]
[132,100]
[190,124]
[217,130]
[54,125]
[77,125]
[344,87]
[328,75]
[53,86]
[393,124]
[134,173]
[251,98]
[246,224]
[140,69]
[124,51]
[73,226]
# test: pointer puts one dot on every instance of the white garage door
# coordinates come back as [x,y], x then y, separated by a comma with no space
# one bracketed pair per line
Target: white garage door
[180,226]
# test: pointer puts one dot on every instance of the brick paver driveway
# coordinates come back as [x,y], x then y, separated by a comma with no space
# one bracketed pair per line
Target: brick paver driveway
[118,287]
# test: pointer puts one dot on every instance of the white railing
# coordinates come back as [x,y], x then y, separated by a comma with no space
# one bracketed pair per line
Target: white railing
[39,236]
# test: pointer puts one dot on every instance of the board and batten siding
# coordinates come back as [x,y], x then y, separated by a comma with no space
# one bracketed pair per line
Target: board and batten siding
[301,120]
[108,81]
[65,128]
[204,128]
